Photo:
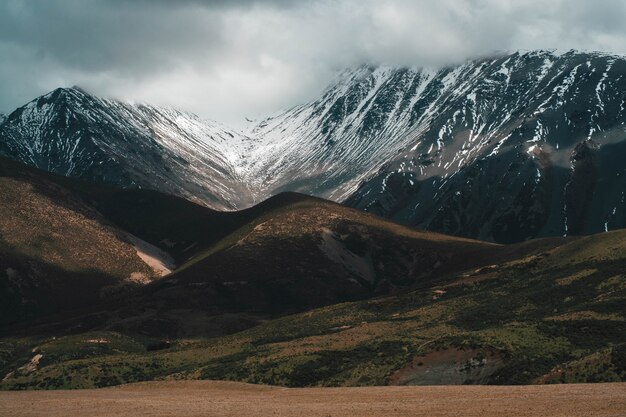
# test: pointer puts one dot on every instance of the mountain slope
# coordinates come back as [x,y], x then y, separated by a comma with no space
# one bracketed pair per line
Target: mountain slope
[302,254]
[297,253]
[539,133]
[287,254]
[58,254]
[550,315]
[72,133]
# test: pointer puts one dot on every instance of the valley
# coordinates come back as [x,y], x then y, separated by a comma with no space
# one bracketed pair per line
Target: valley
[312,208]
[300,292]
[142,243]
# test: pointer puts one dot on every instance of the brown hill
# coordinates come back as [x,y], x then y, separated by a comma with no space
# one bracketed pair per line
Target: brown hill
[56,253]
[397,305]
[288,254]
[298,253]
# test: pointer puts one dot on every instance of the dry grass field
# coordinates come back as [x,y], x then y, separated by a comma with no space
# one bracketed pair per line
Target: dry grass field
[230,399]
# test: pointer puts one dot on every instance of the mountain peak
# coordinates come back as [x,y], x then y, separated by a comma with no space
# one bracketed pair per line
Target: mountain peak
[70,132]
[60,91]
[60,94]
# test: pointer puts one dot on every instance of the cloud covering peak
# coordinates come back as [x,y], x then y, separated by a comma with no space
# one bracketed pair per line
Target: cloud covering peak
[229,59]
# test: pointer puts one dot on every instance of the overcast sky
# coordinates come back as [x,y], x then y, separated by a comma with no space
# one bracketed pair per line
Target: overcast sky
[228,59]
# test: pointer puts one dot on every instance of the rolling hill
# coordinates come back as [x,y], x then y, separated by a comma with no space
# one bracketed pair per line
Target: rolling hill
[285,255]
[57,253]
[295,291]
[552,315]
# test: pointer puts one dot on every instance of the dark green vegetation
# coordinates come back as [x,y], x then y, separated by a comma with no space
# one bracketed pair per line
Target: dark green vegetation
[553,316]
[301,292]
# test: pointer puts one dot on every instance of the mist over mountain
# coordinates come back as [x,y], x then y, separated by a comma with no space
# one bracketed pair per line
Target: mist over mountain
[224,60]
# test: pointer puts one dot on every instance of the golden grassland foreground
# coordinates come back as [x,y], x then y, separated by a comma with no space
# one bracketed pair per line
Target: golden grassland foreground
[212,398]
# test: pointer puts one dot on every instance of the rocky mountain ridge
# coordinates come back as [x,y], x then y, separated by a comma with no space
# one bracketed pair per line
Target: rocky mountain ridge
[540,133]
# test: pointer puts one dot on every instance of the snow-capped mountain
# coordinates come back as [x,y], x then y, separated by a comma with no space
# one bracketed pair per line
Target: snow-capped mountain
[508,148]
[502,148]
[72,133]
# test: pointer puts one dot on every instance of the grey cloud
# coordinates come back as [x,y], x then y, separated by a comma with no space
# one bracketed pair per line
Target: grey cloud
[87,35]
[229,59]
[211,3]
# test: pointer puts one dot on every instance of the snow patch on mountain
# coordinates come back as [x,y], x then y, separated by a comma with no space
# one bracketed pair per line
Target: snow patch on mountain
[415,144]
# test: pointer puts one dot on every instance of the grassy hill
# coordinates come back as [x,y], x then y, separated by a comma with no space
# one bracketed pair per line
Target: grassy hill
[56,253]
[300,253]
[552,316]
[302,292]
[288,254]
[173,224]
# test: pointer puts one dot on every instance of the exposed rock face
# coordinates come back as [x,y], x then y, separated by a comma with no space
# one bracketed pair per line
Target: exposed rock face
[512,148]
